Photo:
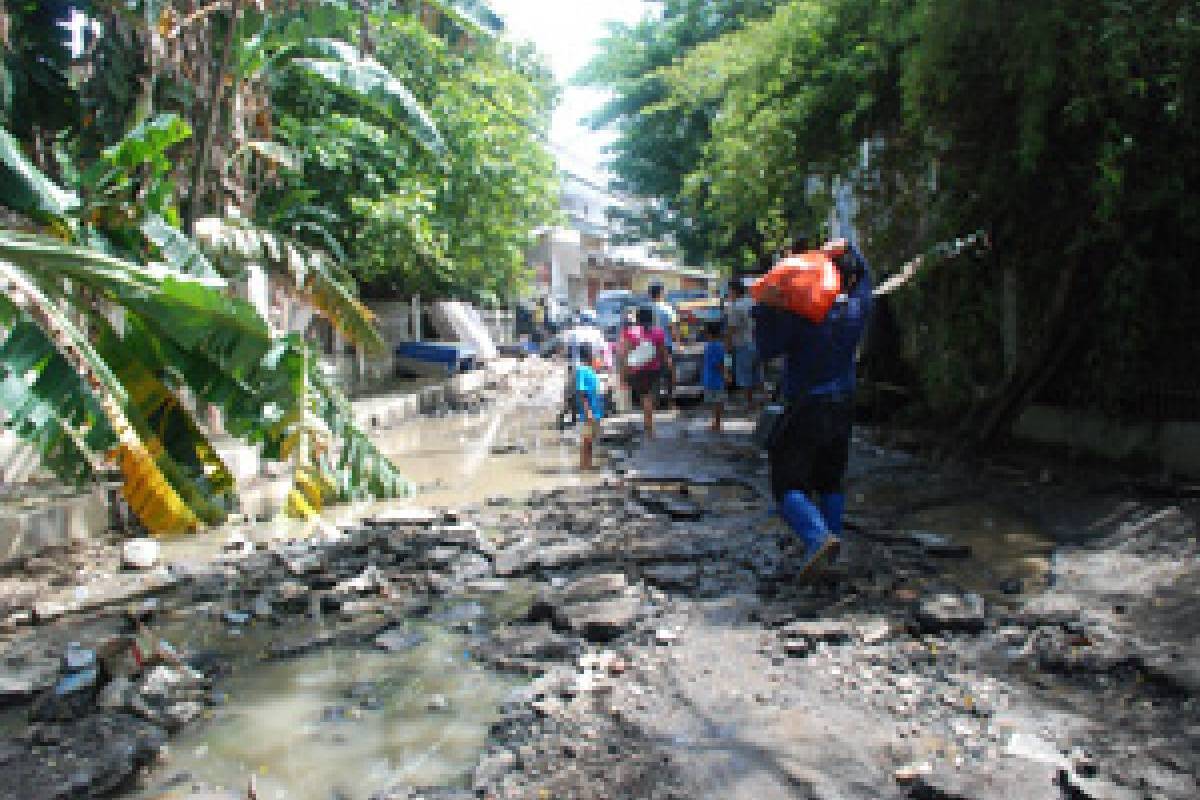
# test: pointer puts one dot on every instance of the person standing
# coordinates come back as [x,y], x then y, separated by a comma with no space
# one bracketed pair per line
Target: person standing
[714,372]
[747,372]
[644,356]
[666,318]
[590,402]
[810,448]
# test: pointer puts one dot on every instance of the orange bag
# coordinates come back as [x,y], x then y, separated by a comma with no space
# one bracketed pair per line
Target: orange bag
[807,284]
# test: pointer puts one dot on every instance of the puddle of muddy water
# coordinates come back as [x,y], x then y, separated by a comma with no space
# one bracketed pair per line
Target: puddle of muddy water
[453,460]
[1007,550]
[343,722]
[457,460]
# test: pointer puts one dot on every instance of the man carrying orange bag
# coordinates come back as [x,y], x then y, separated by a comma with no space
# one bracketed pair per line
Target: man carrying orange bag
[813,310]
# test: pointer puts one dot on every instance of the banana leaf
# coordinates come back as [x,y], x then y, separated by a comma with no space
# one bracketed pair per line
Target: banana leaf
[48,405]
[24,188]
[366,79]
[312,274]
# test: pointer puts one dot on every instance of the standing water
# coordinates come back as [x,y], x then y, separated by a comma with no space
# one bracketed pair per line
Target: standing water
[347,722]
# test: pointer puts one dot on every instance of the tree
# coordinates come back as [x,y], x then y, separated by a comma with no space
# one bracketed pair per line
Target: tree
[659,144]
[1066,128]
[448,223]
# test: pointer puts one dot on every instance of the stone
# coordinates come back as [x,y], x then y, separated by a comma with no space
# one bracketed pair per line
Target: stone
[830,631]
[602,620]
[139,554]
[404,518]
[492,767]
[71,697]
[948,613]
[398,640]
[23,678]
[672,576]
[93,757]
[177,715]
[115,695]
[593,587]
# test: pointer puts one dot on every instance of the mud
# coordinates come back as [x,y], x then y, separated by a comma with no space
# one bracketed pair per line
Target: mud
[994,632]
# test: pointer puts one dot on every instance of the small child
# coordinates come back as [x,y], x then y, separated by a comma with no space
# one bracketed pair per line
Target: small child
[714,372]
[590,403]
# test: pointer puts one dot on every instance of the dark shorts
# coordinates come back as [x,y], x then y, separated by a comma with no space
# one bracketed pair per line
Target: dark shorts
[813,448]
[645,381]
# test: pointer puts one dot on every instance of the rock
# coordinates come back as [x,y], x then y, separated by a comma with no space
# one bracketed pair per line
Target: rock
[830,631]
[492,767]
[1077,787]
[600,621]
[937,545]
[161,681]
[404,518]
[177,715]
[672,576]
[593,587]
[115,695]
[93,757]
[948,613]
[398,640]
[911,773]
[22,679]
[235,618]
[139,554]
[71,698]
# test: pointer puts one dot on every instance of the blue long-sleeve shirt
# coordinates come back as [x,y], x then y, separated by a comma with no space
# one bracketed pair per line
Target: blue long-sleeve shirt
[820,356]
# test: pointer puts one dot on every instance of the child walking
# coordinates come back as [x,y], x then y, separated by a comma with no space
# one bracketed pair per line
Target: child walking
[714,372]
[590,403]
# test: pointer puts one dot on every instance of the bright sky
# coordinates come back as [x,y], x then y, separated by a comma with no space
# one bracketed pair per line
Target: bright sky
[566,32]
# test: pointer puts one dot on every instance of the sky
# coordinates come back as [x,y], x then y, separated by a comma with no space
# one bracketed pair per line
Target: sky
[566,32]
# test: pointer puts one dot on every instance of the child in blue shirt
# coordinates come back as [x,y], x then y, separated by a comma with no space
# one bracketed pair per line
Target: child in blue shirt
[590,403]
[714,372]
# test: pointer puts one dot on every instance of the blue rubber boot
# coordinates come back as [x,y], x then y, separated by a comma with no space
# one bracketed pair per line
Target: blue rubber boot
[808,524]
[832,507]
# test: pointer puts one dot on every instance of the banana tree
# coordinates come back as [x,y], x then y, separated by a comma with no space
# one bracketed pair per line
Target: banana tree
[103,354]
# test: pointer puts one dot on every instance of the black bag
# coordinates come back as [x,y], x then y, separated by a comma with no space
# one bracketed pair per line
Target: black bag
[769,428]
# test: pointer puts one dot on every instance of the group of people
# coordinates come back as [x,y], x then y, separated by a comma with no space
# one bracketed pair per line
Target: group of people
[809,441]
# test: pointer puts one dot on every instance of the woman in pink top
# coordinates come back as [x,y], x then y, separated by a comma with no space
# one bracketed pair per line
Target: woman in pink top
[644,356]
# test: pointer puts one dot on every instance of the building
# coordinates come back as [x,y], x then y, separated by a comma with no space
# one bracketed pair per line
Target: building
[573,263]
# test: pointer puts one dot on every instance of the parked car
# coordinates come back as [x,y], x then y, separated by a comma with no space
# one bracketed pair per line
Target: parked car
[694,315]
[610,303]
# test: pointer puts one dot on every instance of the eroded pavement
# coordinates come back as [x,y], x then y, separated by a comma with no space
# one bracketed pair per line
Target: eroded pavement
[995,632]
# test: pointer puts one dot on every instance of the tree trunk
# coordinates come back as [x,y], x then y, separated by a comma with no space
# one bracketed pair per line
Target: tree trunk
[201,164]
[1061,336]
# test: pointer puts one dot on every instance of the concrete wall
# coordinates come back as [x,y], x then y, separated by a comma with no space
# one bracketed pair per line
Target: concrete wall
[1175,446]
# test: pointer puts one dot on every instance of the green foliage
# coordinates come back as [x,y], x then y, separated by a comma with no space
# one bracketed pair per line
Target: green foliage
[1067,128]
[658,143]
[451,223]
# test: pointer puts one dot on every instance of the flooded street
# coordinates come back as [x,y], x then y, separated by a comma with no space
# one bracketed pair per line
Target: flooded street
[516,630]
[509,448]
[344,722]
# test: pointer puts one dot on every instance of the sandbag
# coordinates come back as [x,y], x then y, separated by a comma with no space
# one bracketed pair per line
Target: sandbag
[807,284]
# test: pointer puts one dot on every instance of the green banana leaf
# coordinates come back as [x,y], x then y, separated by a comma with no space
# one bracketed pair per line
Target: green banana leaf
[366,79]
[24,188]
[310,272]
[47,405]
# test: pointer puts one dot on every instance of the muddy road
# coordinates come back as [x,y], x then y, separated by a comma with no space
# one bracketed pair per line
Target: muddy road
[517,631]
